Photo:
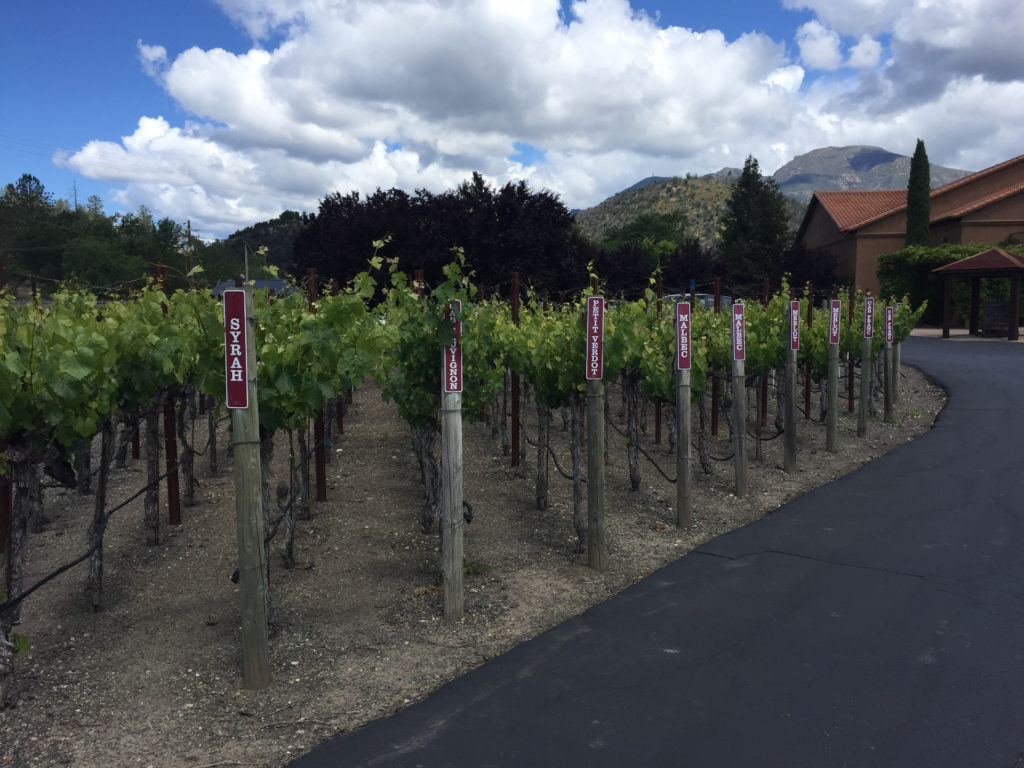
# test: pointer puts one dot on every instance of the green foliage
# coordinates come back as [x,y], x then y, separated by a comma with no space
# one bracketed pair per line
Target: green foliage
[911,272]
[919,198]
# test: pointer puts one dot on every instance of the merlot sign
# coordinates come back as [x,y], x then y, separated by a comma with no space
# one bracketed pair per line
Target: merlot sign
[595,338]
[835,315]
[453,352]
[236,366]
[794,326]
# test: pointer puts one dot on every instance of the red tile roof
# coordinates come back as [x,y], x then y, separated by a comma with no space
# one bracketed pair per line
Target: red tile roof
[851,209]
[994,259]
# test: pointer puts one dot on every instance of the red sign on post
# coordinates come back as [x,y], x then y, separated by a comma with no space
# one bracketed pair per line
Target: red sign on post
[890,321]
[869,317]
[452,370]
[834,318]
[595,338]
[794,326]
[236,365]
[739,332]
[682,336]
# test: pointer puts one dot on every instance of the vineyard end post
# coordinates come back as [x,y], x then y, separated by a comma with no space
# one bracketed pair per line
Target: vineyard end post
[452,548]
[832,412]
[684,451]
[597,557]
[789,415]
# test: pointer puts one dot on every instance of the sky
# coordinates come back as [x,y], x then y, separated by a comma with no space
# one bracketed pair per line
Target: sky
[224,113]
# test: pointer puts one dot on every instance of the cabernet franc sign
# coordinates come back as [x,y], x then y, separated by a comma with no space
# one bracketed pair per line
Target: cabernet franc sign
[236,366]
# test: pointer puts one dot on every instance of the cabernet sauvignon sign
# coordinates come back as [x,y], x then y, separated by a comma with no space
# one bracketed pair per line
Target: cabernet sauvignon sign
[236,366]
[453,352]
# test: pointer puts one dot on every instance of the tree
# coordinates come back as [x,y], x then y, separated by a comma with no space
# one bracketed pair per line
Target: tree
[919,198]
[755,231]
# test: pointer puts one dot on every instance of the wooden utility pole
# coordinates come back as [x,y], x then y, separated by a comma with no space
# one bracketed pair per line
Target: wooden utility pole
[245,430]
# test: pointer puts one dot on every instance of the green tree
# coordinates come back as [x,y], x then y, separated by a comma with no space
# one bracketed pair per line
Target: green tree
[919,199]
[755,231]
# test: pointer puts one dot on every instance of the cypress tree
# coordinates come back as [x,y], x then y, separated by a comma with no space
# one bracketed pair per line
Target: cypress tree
[919,199]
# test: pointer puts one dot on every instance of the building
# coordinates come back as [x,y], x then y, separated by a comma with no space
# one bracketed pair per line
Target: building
[858,226]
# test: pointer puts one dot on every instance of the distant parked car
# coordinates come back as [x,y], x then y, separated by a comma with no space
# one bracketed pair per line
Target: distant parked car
[707,299]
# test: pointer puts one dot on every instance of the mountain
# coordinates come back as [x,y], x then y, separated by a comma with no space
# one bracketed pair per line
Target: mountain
[857,167]
[702,198]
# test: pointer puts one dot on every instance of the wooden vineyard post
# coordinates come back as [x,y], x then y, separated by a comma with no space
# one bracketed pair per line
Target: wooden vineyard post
[514,377]
[715,394]
[789,405]
[240,368]
[170,432]
[739,400]
[657,403]
[684,450]
[851,386]
[890,317]
[807,372]
[596,554]
[319,449]
[451,470]
[865,366]
[832,412]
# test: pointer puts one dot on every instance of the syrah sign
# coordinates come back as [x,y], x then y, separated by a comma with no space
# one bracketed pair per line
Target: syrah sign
[452,370]
[683,336]
[236,364]
[595,338]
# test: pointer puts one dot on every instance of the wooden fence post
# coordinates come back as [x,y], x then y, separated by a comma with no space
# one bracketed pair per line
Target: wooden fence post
[252,571]
[452,549]
[832,412]
[865,367]
[684,417]
[514,394]
[594,324]
[739,399]
[789,404]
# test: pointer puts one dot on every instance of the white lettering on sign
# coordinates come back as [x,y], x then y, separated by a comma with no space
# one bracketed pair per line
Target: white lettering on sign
[890,321]
[794,325]
[869,317]
[235,362]
[835,315]
[683,336]
[595,337]
[739,351]
[452,364]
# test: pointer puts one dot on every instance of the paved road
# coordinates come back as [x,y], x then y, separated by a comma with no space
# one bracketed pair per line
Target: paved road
[876,621]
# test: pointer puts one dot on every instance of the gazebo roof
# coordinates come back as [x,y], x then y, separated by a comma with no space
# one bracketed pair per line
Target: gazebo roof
[995,262]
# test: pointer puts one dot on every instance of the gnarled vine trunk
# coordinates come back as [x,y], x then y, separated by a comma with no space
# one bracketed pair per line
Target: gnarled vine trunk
[633,394]
[94,581]
[151,501]
[543,431]
[424,440]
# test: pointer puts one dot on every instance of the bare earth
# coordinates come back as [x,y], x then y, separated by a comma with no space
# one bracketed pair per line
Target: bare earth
[154,679]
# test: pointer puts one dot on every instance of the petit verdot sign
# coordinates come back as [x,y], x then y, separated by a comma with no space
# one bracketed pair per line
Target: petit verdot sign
[236,365]
[595,338]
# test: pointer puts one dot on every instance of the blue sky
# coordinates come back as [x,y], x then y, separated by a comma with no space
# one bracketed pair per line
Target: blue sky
[228,112]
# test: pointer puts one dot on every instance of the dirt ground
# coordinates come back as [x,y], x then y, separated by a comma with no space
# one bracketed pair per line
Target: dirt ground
[154,679]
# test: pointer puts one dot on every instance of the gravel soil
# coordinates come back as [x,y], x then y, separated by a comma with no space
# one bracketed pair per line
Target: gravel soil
[154,678]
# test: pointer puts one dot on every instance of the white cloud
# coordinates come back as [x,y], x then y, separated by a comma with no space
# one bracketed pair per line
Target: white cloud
[866,54]
[421,93]
[819,46]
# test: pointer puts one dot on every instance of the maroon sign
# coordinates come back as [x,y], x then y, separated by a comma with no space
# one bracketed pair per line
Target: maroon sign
[595,337]
[739,332]
[794,326]
[682,336]
[452,370]
[236,365]
[834,318]
[869,317]
[890,320]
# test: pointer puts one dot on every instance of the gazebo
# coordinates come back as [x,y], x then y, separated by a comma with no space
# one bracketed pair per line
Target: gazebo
[994,262]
